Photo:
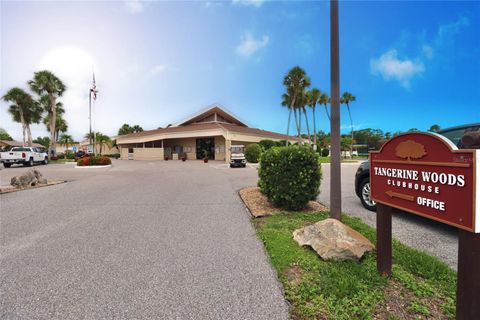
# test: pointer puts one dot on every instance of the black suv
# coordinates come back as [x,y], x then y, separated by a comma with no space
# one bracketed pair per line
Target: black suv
[362,177]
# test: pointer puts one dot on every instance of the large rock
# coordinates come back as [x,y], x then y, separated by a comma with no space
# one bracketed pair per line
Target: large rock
[333,240]
[30,178]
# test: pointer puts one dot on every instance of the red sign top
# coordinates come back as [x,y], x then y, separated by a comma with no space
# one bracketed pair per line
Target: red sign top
[425,174]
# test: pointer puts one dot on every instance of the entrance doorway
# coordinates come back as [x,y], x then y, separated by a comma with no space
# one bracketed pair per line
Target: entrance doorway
[208,145]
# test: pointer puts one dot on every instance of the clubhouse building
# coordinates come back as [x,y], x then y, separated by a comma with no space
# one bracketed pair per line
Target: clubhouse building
[212,131]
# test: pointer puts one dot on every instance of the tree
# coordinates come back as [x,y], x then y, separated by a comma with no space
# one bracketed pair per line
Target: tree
[125,129]
[413,130]
[102,139]
[24,110]
[136,128]
[4,135]
[346,98]
[434,128]
[44,141]
[66,140]
[287,102]
[313,97]
[46,83]
[324,100]
[296,81]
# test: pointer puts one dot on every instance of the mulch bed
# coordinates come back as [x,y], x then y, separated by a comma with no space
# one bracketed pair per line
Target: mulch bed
[9,189]
[259,206]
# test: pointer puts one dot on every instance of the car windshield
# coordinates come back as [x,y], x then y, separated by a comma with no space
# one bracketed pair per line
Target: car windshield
[20,149]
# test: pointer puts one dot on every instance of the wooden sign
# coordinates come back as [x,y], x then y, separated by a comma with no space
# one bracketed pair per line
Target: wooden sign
[426,174]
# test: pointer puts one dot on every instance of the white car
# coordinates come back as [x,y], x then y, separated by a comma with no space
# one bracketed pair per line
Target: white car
[23,155]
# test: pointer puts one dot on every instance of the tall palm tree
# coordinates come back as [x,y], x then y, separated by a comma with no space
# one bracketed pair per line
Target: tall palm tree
[346,98]
[303,102]
[24,110]
[313,97]
[324,100]
[46,83]
[296,81]
[66,140]
[287,102]
[103,139]
[61,125]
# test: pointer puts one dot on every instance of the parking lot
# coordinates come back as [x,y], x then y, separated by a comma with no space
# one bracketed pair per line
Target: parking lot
[164,240]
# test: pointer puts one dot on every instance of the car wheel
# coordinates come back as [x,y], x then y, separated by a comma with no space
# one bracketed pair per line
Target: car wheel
[367,202]
[30,163]
[7,165]
[45,161]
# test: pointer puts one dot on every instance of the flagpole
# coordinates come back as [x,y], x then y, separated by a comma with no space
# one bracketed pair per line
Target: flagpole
[90,114]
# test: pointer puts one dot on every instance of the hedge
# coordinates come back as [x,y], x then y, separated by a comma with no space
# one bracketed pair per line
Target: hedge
[253,152]
[290,176]
[94,161]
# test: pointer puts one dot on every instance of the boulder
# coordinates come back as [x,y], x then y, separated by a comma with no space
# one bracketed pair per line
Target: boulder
[333,240]
[27,179]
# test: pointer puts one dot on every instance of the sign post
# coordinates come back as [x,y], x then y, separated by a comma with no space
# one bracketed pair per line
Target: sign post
[427,175]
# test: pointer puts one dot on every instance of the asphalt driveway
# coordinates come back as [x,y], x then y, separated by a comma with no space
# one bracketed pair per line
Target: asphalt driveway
[142,240]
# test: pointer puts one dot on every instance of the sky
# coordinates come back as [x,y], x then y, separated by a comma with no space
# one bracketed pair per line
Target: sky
[409,64]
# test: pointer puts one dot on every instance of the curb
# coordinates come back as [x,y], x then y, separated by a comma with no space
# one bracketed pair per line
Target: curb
[93,167]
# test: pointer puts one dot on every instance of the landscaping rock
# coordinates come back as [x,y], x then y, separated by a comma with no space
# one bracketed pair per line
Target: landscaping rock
[333,240]
[30,178]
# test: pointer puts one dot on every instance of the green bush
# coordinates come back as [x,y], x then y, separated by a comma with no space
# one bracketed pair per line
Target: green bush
[325,152]
[253,152]
[290,176]
[267,144]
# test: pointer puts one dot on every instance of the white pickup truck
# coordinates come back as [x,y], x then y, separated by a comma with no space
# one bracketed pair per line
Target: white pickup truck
[23,155]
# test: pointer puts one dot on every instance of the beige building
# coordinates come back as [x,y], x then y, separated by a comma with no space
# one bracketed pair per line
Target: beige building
[212,131]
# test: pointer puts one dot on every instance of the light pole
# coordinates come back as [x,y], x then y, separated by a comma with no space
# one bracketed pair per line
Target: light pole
[335,165]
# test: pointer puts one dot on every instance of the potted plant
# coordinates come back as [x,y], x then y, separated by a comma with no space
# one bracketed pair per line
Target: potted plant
[184,157]
[205,156]
[165,158]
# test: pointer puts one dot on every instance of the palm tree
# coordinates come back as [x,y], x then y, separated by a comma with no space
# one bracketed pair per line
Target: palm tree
[346,98]
[103,139]
[296,81]
[66,140]
[287,102]
[324,100]
[136,128]
[24,110]
[46,83]
[303,102]
[125,129]
[313,97]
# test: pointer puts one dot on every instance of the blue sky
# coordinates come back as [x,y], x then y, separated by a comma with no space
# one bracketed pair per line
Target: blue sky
[409,64]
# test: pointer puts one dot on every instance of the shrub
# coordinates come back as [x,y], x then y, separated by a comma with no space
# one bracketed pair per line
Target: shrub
[253,152]
[71,155]
[267,144]
[290,176]
[60,155]
[325,152]
[113,155]
[94,161]
[54,158]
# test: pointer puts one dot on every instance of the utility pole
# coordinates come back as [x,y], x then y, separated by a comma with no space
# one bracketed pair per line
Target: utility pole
[335,157]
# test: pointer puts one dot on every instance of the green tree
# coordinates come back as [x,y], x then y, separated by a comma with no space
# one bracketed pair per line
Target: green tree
[44,141]
[4,135]
[313,97]
[46,83]
[346,98]
[66,140]
[102,139]
[295,82]
[287,102]
[434,128]
[24,110]
[125,129]
[136,128]
[324,100]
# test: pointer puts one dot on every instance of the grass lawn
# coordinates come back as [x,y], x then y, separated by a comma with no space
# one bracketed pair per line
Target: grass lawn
[60,161]
[421,287]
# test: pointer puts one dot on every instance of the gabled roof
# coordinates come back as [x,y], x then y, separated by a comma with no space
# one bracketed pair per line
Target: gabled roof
[19,144]
[215,108]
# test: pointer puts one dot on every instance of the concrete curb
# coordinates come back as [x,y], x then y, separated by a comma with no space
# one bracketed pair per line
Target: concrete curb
[93,167]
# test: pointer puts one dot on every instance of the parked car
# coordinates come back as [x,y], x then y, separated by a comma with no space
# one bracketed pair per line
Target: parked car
[80,154]
[23,155]
[362,176]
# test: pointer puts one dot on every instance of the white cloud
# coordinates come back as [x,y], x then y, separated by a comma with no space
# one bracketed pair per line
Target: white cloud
[391,67]
[254,3]
[427,51]
[133,6]
[249,45]
[159,68]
